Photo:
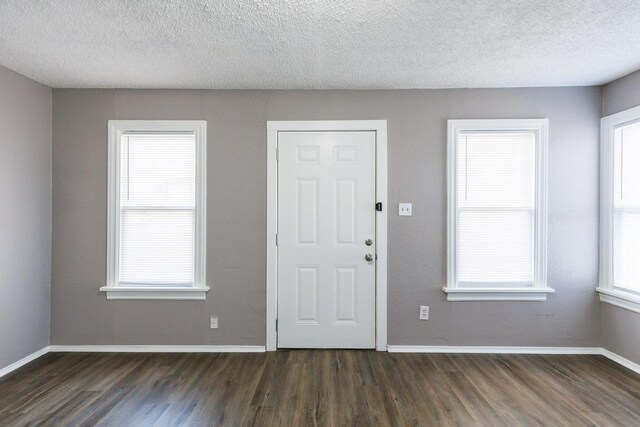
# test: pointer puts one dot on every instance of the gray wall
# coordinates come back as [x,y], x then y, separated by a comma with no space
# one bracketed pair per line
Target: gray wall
[621,94]
[620,327]
[620,332]
[25,216]
[237,214]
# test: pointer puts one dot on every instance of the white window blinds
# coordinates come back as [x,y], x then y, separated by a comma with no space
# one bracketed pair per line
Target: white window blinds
[157,208]
[495,199]
[626,207]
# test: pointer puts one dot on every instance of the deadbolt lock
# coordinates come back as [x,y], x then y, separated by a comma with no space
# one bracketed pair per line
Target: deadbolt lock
[368,242]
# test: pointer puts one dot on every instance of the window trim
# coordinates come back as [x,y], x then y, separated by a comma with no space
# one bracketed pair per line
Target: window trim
[620,297]
[508,291]
[114,290]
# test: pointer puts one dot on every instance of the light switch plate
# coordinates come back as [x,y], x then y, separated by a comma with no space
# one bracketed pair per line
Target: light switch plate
[404,209]
[213,322]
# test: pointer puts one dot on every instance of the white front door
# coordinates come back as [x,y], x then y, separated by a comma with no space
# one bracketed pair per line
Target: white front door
[326,232]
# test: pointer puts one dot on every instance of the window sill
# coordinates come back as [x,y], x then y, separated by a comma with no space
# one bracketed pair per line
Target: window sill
[620,299]
[497,294]
[155,292]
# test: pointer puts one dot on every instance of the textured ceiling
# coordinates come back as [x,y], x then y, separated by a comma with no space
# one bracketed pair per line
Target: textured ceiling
[319,44]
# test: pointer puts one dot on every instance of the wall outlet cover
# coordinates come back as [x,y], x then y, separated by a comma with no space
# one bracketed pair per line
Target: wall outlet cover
[213,322]
[424,312]
[404,209]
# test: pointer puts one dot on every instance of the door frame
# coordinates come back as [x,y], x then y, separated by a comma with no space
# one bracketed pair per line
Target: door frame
[380,128]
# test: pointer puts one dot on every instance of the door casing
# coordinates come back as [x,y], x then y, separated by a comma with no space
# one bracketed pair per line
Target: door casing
[380,128]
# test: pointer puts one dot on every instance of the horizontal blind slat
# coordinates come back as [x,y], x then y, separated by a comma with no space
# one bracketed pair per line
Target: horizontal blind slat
[158,169]
[496,207]
[157,208]
[495,246]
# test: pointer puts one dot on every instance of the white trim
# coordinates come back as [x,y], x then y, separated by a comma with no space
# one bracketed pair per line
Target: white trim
[259,349]
[380,127]
[497,294]
[20,363]
[515,350]
[327,125]
[492,349]
[272,247]
[540,288]
[158,348]
[608,292]
[155,292]
[606,193]
[381,234]
[620,299]
[635,367]
[115,130]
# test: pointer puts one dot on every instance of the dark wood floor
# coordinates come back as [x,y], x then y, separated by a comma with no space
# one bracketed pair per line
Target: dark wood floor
[301,388]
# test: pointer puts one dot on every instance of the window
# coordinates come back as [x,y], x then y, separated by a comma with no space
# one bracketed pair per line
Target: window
[497,210]
[156,202]
[620,210]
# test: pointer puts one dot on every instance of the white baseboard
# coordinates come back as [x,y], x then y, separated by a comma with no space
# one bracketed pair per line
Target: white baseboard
[621,360]
[492,349]
[259,349]
[159,348]
[515,350]
[20,363]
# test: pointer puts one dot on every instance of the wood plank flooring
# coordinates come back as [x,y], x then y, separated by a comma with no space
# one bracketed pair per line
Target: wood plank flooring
[306,388]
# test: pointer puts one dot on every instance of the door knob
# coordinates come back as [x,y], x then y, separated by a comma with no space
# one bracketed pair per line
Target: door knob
[368,257]
[368,242]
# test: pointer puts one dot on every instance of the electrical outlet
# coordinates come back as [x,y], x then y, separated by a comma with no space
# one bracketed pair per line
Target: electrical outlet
[213,322]
[404,209]
[424,312]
